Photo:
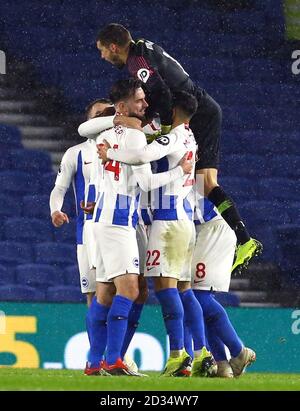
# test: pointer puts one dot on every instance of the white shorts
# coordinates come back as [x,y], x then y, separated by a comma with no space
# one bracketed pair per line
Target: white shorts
[89,241]
[170,249]
[117,251]
[87,275]
[142,242]
[213,256]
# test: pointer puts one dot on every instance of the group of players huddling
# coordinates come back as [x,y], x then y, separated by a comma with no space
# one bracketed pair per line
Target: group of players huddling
[170,220]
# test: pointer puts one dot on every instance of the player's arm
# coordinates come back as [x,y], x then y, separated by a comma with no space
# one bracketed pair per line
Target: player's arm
[149,181]
[93,127]
[143,173]
[159,96]
[159,148]
[64,178]
[56,202]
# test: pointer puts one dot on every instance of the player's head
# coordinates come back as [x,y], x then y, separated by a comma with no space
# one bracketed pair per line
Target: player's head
[113,43]
[184,105]
[97,107]
[129,98]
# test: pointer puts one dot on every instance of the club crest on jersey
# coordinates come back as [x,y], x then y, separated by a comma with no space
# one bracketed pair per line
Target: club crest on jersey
[84,282]
[143,74]
[135,262]
[163,140]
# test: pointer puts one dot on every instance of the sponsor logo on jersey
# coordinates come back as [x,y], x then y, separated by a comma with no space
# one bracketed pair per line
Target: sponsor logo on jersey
[163,140]
[119,129]
[85,282]
[87,162]
[135,262]
[143,74]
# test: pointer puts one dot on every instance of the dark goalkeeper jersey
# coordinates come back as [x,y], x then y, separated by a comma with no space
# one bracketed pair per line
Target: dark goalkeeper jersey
[161,74]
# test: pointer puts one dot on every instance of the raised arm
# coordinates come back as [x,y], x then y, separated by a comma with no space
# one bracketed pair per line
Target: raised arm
[143,173]
[159,148]
[149,181]
[93,127]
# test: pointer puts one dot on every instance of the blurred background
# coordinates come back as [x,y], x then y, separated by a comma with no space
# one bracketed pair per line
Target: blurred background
[240,51]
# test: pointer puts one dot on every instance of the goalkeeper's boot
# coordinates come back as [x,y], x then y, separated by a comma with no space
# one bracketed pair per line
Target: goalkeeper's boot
[204,365]
[178,366]
[244,253]
[245,358]
[132,366]
[119,368]
[224,369]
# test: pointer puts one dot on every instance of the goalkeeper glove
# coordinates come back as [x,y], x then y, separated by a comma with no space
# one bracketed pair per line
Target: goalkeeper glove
[165,129]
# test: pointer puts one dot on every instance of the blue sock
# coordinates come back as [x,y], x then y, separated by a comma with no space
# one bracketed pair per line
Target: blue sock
[172,310]
[188,339]
[117,321]
[218,322]
[97,331]
[194,316]
[133,322]
[216,346]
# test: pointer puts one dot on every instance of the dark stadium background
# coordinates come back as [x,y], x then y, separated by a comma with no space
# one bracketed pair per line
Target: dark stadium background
[239,51]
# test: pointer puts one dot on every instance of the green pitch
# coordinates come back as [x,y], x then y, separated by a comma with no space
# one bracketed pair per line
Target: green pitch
[64,380]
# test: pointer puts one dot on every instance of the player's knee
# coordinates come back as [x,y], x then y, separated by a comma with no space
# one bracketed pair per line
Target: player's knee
[89,298]
[209,187]
[143,295]
[132,291]
[210,181]
[105,295]
[183,286]
[105,299]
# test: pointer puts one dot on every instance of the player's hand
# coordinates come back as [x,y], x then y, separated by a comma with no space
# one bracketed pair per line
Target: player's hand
[186,165]
[59,218]
[129,122]
[87,208]
[102,151]
[165,129]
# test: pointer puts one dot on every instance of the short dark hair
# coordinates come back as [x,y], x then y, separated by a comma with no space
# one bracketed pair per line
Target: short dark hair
[114,33]
[186,102]
[90,105]
[123,89]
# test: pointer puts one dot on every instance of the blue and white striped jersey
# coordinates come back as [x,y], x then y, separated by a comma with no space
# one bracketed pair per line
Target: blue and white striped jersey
[171,202]
[119,193]
[121,185]
[75,168]
[205,210]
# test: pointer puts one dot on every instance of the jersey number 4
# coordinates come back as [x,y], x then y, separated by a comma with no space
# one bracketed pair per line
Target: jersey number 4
[113,166]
